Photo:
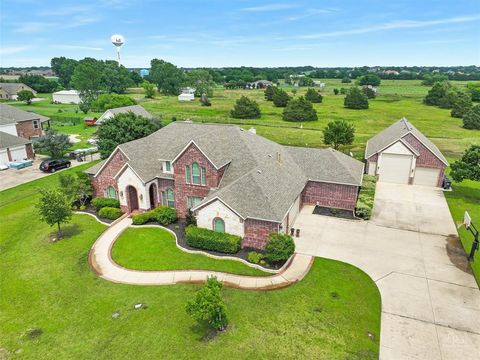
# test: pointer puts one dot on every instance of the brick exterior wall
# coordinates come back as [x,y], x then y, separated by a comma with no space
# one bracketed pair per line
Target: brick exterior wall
[30,153]
[426,158]
[330,195]
[373,158]
[257,232]
[105,178]
[25,129]
[162,185]
[182,189]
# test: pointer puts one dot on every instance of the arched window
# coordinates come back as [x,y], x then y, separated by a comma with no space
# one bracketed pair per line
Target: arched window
[195,174]
[218,225]
[168,198]
[111,193]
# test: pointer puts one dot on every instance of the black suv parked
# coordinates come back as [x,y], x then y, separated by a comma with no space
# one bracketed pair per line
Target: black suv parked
[54,165]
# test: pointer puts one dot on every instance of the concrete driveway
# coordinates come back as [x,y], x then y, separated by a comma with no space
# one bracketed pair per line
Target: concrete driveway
[430,300]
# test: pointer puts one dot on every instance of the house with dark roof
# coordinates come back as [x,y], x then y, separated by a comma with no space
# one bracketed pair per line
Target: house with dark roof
[22,123]
[136,109]
[14,148]
[232,179]
[9,91]
[402,154]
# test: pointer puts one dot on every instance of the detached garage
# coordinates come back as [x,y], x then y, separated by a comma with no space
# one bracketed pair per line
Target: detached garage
[403,155]
[14,148]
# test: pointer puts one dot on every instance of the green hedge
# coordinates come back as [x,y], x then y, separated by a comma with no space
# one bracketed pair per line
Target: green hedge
[279,247]
[101,202]
[110,213]
[366,197]
[164,215]
[210,240]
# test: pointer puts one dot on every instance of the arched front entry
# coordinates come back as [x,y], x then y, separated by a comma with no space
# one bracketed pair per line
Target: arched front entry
[152,192]
[132,198]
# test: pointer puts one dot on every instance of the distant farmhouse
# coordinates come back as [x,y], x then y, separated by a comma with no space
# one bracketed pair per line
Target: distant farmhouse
[66,97]
[136,109]
[9,91]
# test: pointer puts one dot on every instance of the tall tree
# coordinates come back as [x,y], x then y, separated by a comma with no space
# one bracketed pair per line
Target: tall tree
[52,143]
[280,97]
[245,108]
[299,110]
[471,119]
[116,78]
[369,79]
[355,99]
[26,96]
[468,167]
[202,81]
[122,128]
[87,79]
[313,96]
[168,78]
[338,132]
[63,68]
[38,83]
[54,208]
[438,95]
[461,104]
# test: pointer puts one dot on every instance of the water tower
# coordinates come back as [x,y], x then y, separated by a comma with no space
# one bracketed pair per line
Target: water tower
[117,41]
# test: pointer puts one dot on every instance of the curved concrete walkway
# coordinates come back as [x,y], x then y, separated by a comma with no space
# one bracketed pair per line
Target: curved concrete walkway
[101,261]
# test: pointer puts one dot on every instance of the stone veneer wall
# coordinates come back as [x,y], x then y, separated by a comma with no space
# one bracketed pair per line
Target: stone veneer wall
[25,129]
[330,195]
[257,232]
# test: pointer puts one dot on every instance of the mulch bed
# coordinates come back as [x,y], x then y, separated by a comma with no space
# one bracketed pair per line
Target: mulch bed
[93,211]
[337,213]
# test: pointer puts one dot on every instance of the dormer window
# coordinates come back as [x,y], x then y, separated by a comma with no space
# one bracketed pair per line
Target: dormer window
[195,174]
[167,167]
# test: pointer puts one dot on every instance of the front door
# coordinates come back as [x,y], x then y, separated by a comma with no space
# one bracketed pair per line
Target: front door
[132,198]
[152,192]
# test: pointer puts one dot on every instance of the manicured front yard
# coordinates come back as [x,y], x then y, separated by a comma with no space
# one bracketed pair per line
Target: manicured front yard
[466,196]
[155,249]
[49,286]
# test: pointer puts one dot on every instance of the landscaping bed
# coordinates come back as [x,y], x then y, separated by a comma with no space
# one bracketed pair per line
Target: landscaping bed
[91,210]
[366,197]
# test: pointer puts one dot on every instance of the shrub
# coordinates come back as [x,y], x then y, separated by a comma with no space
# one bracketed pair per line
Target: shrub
[363,212]
[300,110]
[369,92]
[461,104]
[111,101]
[210,240]
[165,215]
[346,80]
[269,93]
[370,79]
[101,202]
[111,213]
[471,120]
[279,247]
[280,97]
[438,95]
[356,99]
[190,219]
[255,257]
[313,96]
[142,218]
[245,108]
[336,91]
[343,90]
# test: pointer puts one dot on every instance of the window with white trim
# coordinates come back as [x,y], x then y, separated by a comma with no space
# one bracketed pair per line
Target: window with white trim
[168,197]
[168,167]
[193,201]
[195,174]
[36,124]
[111,193]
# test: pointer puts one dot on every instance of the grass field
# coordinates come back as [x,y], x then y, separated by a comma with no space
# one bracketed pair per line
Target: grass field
[155,249]
[49,287]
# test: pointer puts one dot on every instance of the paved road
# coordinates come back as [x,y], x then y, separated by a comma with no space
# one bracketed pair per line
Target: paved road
[430,300]
[101,261]
[11,178]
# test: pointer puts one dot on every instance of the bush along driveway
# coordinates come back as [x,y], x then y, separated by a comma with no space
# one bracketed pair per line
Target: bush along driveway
[101,260]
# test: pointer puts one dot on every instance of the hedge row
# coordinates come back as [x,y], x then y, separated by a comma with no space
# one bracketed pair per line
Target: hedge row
[110,213]
[102,202]
[210,240]
[164,215]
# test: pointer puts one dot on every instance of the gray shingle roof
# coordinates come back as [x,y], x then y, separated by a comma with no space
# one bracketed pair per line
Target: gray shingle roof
[262,178]
[8,140]
[14,88]
[10,115]
[395,132]
[94,169]
[136,109]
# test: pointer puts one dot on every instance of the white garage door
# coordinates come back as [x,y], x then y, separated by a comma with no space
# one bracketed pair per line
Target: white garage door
[395,168]
[3,157]
[426,176]
[18,153]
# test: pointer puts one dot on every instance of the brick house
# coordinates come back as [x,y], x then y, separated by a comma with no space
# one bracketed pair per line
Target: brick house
[402,154]
[233,180]
[14,148]
[22,123]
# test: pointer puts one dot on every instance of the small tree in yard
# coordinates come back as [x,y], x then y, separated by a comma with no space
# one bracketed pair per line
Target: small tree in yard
[370,79]
[149,89]
[461,103]
[77,188]
[245,108]
[356,99]
[26,96]
[336,91]
[269,91]
[468,167]
[53,144]
[471,120]
[338,132]
[313,96]
[279,247]
[369,92]
[346,80]
[300,110]
[54,208]
[208,305]
[280,98]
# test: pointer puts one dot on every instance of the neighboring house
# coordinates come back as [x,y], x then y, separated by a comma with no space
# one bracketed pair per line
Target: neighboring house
[260,84]
[136,109]
[318,83]
[14,148]
[66,97]
[187,94]
[22,123]
[9,91]
[402,154]
[234,180]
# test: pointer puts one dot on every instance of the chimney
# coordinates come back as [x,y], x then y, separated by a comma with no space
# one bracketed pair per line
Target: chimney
[252,130]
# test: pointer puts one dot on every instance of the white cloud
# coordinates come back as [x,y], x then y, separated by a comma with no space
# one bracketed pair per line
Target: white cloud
[32,27]
[269,7]
[401,24]
[13,50]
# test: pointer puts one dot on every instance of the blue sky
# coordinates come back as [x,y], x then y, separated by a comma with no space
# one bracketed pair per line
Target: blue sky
[243,32]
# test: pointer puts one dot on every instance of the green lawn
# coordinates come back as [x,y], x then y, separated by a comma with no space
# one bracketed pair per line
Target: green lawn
[155,249]
[466,196]
[49,286]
